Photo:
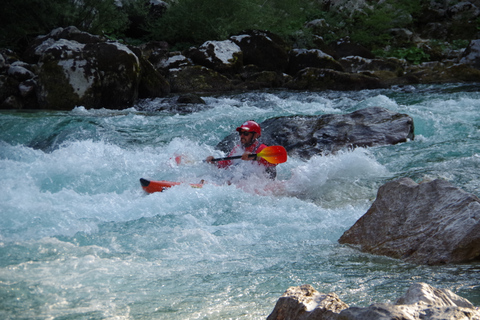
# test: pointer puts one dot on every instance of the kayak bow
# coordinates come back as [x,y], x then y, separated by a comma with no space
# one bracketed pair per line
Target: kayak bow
[151,186]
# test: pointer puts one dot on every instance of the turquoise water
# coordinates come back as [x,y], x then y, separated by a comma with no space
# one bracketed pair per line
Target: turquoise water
[79,239]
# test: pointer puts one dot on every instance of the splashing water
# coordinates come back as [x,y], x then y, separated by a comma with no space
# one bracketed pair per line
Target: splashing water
[79,238]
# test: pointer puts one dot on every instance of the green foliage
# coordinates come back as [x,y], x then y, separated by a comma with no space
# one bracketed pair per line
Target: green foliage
[24,19]
[370,26]
[413,54]
[193,21]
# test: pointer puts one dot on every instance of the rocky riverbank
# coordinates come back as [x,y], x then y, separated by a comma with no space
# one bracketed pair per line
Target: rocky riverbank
[69,68]
[421,301]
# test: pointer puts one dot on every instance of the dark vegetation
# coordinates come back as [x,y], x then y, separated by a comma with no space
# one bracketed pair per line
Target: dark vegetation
[184,23]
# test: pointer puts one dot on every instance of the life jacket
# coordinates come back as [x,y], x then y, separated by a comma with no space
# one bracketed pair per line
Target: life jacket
[256,147]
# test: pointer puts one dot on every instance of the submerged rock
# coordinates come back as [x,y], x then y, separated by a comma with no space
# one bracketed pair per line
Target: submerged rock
[420,302]
[428,223]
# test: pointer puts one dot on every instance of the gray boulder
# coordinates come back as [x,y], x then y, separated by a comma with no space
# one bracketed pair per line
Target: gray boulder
[263,49]
[302,58]
[471,55]
[222,56]
[420,302]
[198,79]
[92,75]
[75,68]
[306,136]
[427,223]
[306,303]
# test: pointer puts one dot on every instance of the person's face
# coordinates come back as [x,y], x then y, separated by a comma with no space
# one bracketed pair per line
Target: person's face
[246,137]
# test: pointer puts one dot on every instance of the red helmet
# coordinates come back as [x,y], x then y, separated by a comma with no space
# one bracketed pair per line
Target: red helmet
[251,126]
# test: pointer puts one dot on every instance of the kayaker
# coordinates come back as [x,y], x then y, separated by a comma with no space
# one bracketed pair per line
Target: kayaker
[249,132]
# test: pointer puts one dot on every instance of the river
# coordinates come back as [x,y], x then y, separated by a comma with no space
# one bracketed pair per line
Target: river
[79,239]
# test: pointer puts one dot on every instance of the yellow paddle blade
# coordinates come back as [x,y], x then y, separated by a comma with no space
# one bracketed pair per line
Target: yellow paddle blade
[274,154]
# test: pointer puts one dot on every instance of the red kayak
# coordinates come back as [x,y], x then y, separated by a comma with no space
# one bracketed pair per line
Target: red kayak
[152,186]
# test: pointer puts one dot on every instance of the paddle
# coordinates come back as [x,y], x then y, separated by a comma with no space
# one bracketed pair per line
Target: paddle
[272,154]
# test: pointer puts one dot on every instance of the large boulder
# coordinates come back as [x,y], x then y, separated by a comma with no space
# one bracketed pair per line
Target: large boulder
[306,303]
[420,302]
[471,55]
[306,136]
[75,68]
[263,49]
[428,223]
[222,56]
[198,79]
[302,58]
[93,75]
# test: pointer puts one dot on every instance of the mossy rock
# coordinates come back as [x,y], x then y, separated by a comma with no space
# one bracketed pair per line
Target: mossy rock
[198,79]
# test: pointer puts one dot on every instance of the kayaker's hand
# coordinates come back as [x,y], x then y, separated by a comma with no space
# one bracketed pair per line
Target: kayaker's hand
[209,159]
[247,156]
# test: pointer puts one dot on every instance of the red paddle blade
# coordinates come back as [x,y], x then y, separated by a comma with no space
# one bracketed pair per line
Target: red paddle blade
[274,154]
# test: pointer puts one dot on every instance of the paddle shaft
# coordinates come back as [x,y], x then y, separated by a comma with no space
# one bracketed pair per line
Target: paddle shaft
[233,157]
[272,154]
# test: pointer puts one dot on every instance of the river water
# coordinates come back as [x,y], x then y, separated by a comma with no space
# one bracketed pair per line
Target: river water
[79,239]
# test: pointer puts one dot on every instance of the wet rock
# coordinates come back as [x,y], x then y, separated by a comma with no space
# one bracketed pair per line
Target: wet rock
[190,98]
[427,223]
[420,302]
[306,136]
[306,303]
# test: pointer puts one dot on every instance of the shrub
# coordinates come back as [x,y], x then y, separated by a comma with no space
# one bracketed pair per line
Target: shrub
[24,19]
[193,21]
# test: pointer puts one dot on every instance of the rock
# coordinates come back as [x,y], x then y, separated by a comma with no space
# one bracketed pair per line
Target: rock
[471,56]
[263,49]
[327,79]
[420,302]
[304,302]
[427,223]
[198,79]
[20,73]
[345,48]
[11,102]
[152,83]
[253,78]
[302,58]
[356,64]
[94,75]
[221,56]
[34,52]
[464,10]
[422,293]
[438,72]
[306,136]
[155,52]
[173,62]
[190,98]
